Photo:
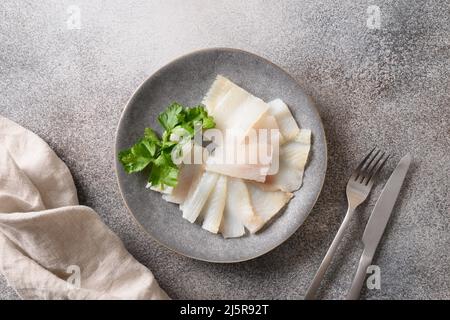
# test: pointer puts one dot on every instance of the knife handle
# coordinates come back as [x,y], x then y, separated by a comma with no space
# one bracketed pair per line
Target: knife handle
[360,276]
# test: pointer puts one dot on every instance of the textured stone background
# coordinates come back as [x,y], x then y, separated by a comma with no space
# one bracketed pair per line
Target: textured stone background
[387,87]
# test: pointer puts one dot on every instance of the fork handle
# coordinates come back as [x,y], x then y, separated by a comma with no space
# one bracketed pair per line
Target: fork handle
[314,286]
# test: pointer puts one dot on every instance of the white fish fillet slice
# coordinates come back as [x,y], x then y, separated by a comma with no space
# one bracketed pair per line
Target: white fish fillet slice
[239,124]
[267,204]
[233,107]
[287,179]
[269,123]
[216,93]
[294,155]
[244,171]
[240,202]
[231,226]
[288,126]
[238,161]
[237,210]
[246,115]
[212,212]
[267,185]
[165,190]
[197,196]
[236,110]
[266,122]
[188,174]
[230,104]
[295,152]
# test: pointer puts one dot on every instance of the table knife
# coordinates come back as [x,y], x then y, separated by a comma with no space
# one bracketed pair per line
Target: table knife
[377,223]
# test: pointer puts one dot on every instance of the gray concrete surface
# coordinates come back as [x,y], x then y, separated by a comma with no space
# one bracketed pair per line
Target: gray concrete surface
[387,87]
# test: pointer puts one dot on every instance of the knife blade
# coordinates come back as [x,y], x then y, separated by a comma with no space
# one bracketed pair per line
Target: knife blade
[383,208]
[377,223]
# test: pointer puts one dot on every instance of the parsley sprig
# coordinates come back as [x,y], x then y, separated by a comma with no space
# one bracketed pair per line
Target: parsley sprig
[153,152]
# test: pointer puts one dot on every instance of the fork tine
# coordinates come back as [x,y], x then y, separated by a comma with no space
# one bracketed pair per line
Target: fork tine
[377,169]
[370,167]
[360,165]
[367,165]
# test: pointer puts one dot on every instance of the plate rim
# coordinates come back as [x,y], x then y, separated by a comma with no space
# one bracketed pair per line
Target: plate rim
[133,97]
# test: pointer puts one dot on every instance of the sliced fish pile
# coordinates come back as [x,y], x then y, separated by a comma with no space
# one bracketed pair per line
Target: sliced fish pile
[230,198]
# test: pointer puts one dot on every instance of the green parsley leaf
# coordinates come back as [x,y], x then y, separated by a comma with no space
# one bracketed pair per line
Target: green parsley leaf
[208,123]
[151,135]
[137,157]
[164,172]
[172,116]
[199,115]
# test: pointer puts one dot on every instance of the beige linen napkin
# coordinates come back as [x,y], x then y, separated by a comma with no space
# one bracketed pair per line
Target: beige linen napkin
[51,247]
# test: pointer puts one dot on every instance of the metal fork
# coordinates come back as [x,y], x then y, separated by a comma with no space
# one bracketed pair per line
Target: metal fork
[358,188]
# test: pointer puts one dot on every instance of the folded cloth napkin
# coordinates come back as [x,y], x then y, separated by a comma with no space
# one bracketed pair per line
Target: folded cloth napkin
[51,247]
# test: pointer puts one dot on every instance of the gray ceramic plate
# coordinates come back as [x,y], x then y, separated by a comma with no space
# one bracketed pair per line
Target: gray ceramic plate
[186,80]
